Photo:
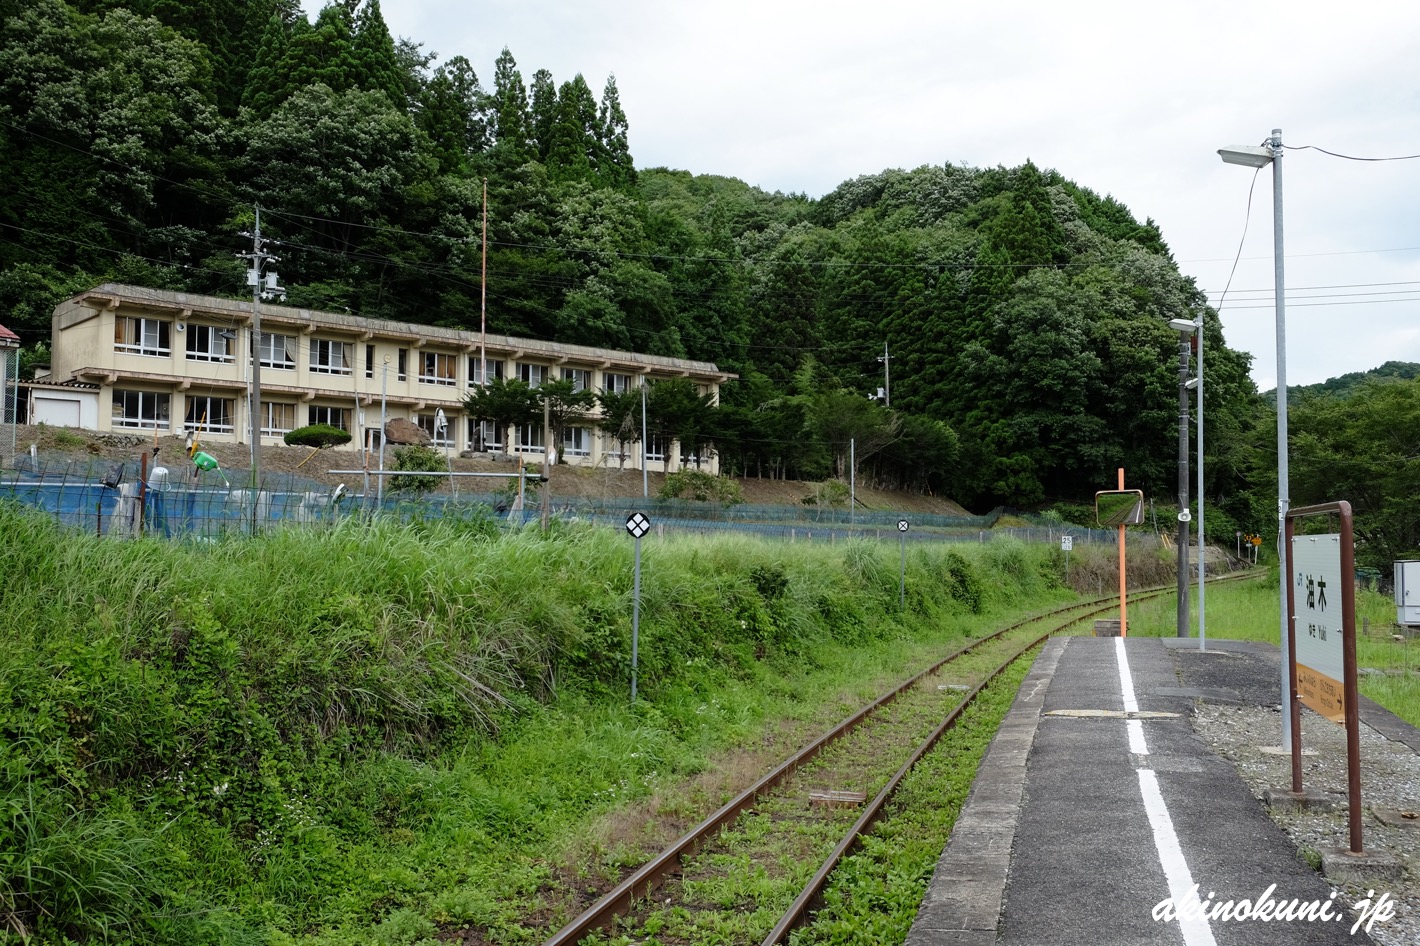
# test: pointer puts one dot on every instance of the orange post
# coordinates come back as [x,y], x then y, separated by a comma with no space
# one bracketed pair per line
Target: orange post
[1123,610]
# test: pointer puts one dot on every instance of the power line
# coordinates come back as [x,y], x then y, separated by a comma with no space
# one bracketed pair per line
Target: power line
[1334,154]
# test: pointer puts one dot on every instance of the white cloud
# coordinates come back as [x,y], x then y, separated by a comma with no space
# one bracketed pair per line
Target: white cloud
[1126,98]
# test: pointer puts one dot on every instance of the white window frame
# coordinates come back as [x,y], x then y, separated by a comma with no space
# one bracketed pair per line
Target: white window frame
[657,446]
[614,449]
[532,375]
[577,442]
[322,414]
[269,421]
[426,422]
[445,368]
[147,402]
[137,335]
[217,422]
[330,356]
[495,370]
[615,383]
[273,345]
[581,378]
[215,347]
[486,433]
[529,438]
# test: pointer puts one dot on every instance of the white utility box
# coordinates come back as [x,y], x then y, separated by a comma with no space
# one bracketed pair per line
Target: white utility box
[1407,592]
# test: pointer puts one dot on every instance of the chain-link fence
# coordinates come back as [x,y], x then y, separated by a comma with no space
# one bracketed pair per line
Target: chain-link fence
[128,498]
[134,497]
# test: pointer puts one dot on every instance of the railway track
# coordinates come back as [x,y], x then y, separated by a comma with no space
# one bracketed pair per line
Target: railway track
[798,821]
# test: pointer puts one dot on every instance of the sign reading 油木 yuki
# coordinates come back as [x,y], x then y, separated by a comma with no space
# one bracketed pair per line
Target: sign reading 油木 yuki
[1318,623]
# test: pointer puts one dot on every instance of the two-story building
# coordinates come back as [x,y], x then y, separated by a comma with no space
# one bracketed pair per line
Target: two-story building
[126,358]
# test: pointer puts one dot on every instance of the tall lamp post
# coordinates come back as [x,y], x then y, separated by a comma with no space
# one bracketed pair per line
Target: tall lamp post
[1197,383]
[1185,330]
[1271,153]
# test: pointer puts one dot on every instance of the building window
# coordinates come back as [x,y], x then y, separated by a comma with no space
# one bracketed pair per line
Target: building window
[209,343]
[369,361]
[580,378]
[209,414]
[577,442]
[330,357]
[614,449]
[142,336]
[532,375]
[278,351]
[475,370]
[655,447]
[440,436]
[403,366]
[616,383]
[529,438]
[334,416]
[437,368]
[484,436]
[140,409]
[277,418]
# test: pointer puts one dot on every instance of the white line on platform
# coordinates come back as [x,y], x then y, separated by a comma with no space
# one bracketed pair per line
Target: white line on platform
[1196,930]
[1131,705]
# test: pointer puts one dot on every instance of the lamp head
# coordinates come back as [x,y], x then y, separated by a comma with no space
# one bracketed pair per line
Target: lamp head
[1183,326]
[1246,155]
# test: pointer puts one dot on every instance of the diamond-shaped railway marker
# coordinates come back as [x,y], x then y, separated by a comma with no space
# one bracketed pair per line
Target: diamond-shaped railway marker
[637,525]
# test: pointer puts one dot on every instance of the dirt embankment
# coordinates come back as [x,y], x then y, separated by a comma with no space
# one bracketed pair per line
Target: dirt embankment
[55,443]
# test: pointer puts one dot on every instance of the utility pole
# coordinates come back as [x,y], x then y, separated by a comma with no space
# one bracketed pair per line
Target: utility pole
[483,300]
[261,288]
[645,477]
[887,376]
[549,457]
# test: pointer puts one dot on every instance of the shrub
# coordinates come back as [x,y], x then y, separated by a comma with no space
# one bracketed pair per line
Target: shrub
[416,459]
[701,486]
[318,436]
[832,493]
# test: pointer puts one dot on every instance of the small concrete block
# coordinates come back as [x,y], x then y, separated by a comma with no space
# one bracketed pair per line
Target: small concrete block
[1343,866]
[1396,818]
[1284,799]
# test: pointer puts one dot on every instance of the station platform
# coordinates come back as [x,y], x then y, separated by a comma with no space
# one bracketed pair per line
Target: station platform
[1097,803]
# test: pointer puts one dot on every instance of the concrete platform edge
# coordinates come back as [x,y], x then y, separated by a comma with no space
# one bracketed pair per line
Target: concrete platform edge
[958,913]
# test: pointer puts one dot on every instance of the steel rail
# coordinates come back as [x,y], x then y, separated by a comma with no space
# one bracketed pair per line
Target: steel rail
[617,902]
[811,895]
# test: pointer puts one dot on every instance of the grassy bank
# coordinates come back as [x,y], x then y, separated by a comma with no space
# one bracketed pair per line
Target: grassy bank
[374,733]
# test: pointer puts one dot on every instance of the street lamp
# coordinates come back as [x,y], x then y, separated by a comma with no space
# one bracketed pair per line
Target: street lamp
[1185,330]
[1271,153]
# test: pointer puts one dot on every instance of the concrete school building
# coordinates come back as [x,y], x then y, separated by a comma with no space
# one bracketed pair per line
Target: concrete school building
[126,358]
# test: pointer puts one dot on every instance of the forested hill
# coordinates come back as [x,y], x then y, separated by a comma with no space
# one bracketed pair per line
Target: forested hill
[1024,316]
[1345,385]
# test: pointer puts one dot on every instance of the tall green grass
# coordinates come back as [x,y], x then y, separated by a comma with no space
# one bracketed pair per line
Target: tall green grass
[352,735]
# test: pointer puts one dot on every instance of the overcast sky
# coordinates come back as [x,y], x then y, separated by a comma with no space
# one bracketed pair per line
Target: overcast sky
[1129,98]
